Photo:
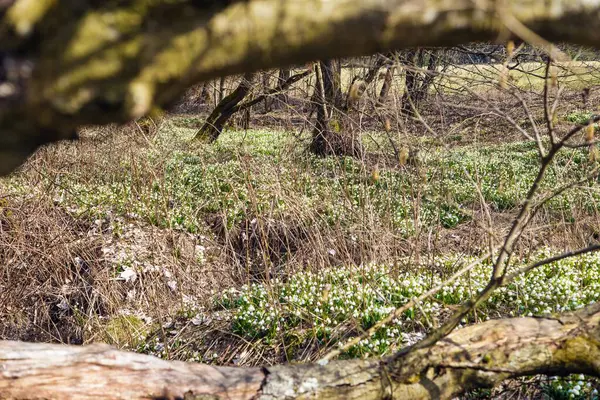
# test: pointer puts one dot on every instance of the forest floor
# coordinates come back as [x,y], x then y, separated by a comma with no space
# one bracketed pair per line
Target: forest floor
[252,251]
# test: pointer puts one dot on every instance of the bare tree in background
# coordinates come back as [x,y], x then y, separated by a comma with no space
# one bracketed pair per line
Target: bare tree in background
[213,126]
[419,69]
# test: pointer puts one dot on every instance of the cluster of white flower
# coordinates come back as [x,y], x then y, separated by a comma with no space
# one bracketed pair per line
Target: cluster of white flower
[577,387]
[339,302]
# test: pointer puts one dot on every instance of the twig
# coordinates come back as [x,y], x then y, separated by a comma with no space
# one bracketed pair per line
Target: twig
[398,312]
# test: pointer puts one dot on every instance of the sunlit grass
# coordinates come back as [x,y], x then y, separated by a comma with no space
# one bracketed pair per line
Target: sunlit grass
[252,173]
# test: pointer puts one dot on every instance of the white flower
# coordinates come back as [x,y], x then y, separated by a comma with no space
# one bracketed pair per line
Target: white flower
[128,275]
[197,320]
[63,305]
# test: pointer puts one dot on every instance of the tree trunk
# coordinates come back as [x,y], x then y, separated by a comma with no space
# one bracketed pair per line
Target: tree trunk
[204,95]
[221,89]
[329,134]
[410,82]
[430,74]
[282,99]
[387,84]
[336,79]
[213,126]
[279,90]
[323,91]
[478,356]
[382,112]
[417,83]
[373,71]
[266,86]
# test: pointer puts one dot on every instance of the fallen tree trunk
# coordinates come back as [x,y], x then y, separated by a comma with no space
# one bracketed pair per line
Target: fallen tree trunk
[67,63]
[477,356]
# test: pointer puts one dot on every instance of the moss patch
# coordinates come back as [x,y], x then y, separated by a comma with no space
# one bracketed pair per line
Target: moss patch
[125,331]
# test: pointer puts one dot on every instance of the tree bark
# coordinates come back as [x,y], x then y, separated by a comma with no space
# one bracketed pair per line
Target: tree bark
[76,63]
[332,135]
[221,89]
[213,126]
[478,356]
[373,71]
[282,99]
[336,80]
[328,138]
[382,112]
[419,73]
[277,91]
[387,84]
[204,95]
[410,82]
[266,87]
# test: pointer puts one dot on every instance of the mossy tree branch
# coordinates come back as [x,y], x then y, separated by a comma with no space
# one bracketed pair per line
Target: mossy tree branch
[71,62]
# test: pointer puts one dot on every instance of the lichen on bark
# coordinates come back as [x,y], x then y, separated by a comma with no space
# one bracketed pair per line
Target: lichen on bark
[98,62]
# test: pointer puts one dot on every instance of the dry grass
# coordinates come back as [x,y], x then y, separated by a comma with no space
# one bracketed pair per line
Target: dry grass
[82,220]
[66,251]
[61,265]
[47,289]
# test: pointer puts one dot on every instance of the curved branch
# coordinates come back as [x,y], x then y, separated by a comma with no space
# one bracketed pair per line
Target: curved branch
[69,63]
[280,88]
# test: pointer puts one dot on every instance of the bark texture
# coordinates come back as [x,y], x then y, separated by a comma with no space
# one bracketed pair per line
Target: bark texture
[419,75]
[279,90]
[214,124]
[477,356]
[67,63]
[331,133]
[281,100]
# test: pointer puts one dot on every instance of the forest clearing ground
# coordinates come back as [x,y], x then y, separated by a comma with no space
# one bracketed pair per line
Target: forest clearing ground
[211,253]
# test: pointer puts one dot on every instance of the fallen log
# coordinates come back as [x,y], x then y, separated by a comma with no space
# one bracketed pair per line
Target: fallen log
[477,356]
